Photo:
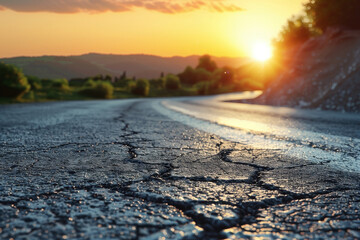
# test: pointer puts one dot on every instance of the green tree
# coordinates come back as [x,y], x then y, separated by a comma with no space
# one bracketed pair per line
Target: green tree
[108,78]
[13,83]
[158,83]
[225,75]
[61,84]
[34,82]
[172,82]
[142,87]
[297,30]
[125,83]
[98,77]
[123,76]
[78,82]
[206,63]
[192,76]
[187,75]
[203,88]
[319,15]
[334,13]
[98,89]
[89,83]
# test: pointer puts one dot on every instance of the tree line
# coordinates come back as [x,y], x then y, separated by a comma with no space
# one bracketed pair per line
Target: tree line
[317,17]
[205,78]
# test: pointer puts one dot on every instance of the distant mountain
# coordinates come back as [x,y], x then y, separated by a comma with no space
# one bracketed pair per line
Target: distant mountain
[141,66]
[56,67]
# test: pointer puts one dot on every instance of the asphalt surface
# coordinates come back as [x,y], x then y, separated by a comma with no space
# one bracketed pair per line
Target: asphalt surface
[186,168]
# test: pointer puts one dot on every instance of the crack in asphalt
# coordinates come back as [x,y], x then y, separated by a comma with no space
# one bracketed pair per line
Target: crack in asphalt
[226,152]
[247,212]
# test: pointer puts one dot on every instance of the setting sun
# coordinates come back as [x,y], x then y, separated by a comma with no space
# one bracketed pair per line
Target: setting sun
[261,51]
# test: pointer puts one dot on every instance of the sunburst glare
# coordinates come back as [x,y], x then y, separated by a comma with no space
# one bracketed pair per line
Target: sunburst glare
[261,51]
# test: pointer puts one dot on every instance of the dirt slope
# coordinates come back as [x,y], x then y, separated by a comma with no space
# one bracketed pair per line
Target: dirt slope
[325,74]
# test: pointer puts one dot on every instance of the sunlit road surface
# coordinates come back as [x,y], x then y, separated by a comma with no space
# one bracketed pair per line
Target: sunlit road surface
[181,168]
[330,138]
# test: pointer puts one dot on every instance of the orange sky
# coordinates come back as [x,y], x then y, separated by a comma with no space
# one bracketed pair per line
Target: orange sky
[216,27]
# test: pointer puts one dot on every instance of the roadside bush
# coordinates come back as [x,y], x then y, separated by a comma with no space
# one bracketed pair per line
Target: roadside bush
[46,83]
[192,76]
[60,84]
[130,85]
[34,82]
[212,87]
[13,83]
[89,83]
[141,87]
[53,94]
[78,82]
[30,95]
[158,83]
[100,89]
[126,83]
[172,82]
[224,75]
[204,88]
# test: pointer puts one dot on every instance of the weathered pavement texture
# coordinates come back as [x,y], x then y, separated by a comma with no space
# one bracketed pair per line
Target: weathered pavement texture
[122,170]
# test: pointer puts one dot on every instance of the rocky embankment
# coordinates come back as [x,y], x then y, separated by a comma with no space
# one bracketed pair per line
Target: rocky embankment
[324,74]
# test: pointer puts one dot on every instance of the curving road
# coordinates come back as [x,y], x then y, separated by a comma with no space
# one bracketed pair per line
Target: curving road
[183,168]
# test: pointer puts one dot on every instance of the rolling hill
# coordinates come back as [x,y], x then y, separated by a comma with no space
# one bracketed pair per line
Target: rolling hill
[140,66]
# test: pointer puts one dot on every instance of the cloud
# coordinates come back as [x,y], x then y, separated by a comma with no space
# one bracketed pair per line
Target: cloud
[98,6]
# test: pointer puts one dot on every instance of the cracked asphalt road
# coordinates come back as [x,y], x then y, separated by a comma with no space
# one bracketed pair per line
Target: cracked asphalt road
[127,169]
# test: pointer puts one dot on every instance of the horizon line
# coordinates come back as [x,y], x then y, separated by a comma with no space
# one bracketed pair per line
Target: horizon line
[118,54]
